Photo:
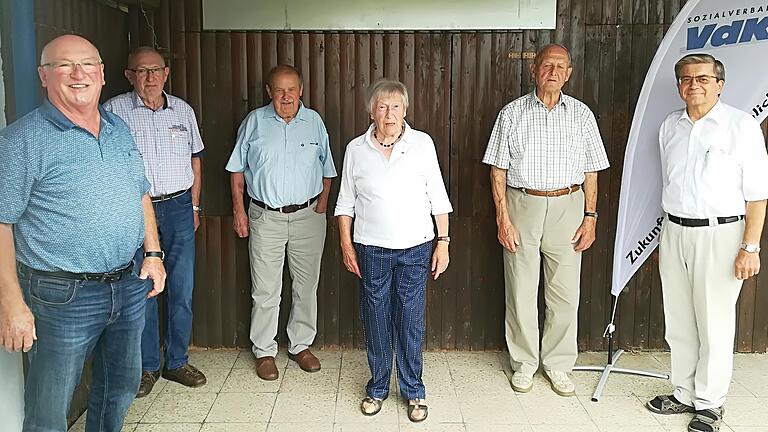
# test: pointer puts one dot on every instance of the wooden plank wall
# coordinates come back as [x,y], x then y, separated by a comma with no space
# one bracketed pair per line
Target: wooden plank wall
[104,25]
[458,81]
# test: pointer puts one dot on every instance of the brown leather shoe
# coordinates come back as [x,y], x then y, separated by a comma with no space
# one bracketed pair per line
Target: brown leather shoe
[148,380]
[306,360]
[266,368]
[186,375]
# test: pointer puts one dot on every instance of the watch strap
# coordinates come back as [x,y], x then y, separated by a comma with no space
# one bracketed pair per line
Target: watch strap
[155,254]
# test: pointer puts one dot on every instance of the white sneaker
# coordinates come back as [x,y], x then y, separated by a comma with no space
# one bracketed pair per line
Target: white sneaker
[561,384]
[521,382]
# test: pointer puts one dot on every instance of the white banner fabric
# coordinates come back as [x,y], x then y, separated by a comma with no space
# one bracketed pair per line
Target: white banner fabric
[734,32]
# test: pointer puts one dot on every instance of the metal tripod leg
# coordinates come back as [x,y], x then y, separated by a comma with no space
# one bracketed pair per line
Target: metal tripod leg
[607,369]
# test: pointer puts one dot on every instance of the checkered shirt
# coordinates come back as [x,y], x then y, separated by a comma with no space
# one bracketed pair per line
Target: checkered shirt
[167,139]
[542,149]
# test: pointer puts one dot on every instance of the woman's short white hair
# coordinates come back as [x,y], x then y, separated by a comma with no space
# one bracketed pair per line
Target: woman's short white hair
[386,87]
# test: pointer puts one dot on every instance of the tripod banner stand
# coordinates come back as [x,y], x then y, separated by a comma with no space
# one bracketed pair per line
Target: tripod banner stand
[735,33]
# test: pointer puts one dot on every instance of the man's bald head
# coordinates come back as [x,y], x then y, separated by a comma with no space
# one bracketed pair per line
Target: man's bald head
[553,48]
[63,43]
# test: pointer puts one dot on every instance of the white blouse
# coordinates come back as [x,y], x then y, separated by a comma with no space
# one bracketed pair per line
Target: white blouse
[392,201]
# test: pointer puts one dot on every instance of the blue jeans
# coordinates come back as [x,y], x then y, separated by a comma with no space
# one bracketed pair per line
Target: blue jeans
[75,319]
[176,227]
[392,298]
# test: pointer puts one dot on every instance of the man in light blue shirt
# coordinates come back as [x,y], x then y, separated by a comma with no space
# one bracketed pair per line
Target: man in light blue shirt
[283,156]
[73,210]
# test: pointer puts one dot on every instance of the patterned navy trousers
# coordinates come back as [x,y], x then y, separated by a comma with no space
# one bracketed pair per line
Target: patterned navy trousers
[392,297]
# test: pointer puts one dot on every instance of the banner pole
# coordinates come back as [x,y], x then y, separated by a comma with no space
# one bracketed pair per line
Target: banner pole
[613,358]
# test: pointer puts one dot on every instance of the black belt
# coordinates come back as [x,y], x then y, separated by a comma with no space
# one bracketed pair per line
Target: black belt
[113,276]
[169,196]
[704,222]
[287,209]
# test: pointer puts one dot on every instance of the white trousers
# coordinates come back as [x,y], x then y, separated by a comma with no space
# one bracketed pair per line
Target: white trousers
[700,291]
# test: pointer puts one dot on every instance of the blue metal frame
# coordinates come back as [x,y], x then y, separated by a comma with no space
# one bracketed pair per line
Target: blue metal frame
[23,48]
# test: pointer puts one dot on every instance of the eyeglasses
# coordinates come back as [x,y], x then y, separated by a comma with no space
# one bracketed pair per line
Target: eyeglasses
[67,67]
[701,79]
[145,72]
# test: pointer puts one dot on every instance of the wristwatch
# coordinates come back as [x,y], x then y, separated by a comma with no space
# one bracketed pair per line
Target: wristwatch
[155,254]
[197,209]
[590,214]
[446,239]
[750,248]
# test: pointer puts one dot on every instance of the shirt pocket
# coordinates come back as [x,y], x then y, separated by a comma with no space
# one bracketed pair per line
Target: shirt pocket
[308,154]
[180,142]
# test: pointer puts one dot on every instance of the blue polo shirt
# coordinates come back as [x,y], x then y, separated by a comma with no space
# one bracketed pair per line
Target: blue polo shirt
[74,200]
[283,163]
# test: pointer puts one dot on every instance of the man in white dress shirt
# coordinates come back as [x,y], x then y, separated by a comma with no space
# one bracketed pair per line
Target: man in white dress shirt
[715,185]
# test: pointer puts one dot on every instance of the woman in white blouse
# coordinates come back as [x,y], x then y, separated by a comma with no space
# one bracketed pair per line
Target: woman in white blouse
[392,187]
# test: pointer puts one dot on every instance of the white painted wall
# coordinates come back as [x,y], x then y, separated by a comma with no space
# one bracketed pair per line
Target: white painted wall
[12,381]
[379,15]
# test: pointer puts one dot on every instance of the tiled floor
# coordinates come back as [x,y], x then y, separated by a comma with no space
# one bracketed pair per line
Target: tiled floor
[467,392]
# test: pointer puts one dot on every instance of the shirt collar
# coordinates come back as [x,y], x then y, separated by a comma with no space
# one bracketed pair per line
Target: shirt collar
[300,115]
[138,102]
[534,100]
[716,114]
[61,121]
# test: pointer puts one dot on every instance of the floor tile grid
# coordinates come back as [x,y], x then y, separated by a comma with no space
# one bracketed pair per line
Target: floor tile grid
[746,416]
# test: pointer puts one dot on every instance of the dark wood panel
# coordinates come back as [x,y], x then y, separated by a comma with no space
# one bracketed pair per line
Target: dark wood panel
[458,83]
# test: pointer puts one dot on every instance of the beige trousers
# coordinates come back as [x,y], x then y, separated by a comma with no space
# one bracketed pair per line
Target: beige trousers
[700,292]
[546,227]
[302,235]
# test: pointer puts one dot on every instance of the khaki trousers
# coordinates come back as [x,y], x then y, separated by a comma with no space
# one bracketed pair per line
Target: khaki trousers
[302,234]
[700,292]
[546,226]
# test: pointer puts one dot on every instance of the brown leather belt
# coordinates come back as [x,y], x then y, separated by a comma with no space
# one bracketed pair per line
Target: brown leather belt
[552,193]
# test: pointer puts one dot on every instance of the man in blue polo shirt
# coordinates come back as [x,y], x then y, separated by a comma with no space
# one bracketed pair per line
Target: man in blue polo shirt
[73,211]
[282,154]
[166,134]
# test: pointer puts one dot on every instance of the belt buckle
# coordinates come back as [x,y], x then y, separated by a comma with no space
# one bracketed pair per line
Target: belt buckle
[713,221]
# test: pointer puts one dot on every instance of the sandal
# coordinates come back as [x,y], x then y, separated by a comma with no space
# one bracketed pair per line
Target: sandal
[417,410]
[707,420]
[373,405]
[668,405]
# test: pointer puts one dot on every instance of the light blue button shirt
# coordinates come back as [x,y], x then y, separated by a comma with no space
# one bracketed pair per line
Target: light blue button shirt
[74,200]
[283,163]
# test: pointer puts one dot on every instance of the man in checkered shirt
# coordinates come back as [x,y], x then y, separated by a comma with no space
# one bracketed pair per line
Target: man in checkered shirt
[166,134]
[544,151]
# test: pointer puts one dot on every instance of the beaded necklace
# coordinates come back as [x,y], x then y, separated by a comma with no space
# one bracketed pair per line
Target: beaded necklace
[386,145]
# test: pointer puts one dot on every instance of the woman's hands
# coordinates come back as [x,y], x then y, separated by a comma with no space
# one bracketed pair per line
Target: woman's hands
[440,259]
[350,259]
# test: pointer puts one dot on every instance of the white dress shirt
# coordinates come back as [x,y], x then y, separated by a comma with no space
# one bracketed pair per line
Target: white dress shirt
[711,167]
[392,201]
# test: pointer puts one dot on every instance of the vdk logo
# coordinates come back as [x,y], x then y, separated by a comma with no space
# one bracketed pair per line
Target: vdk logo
[739,31]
